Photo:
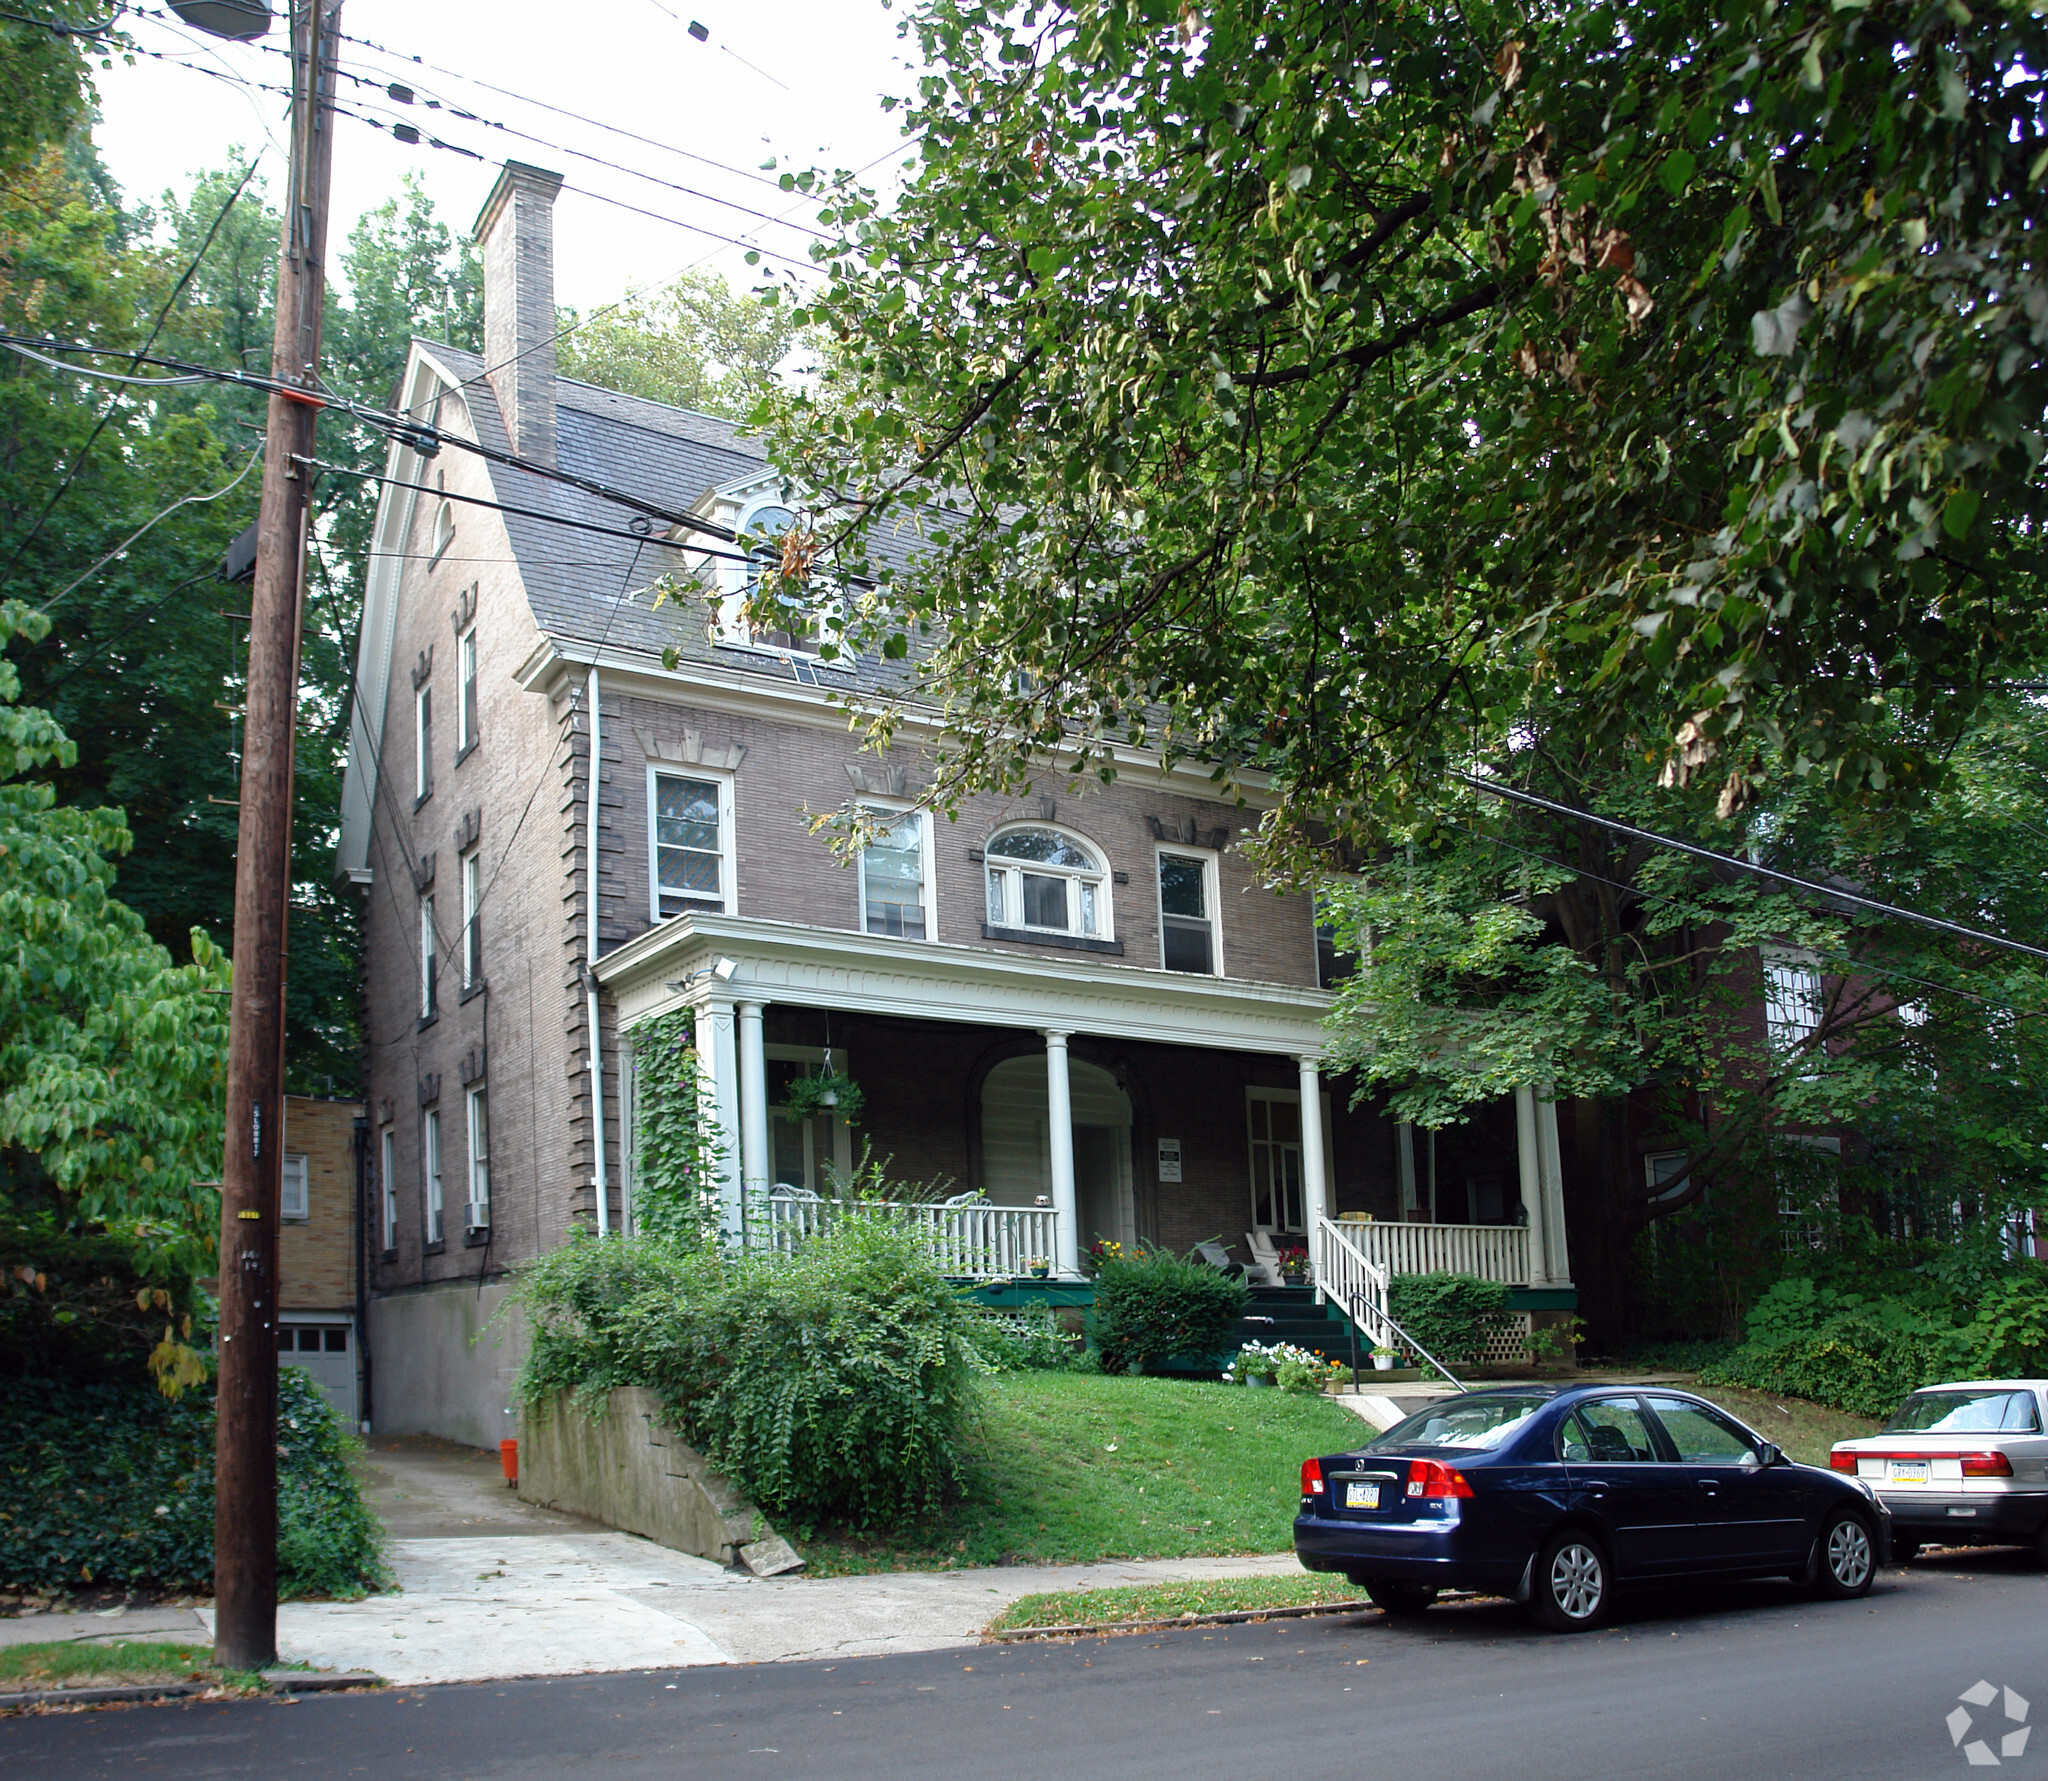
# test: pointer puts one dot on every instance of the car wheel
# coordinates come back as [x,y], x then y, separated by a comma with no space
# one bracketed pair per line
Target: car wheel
[1572,1589]
[1904,1552]
[1391,1596]
[1847,1559]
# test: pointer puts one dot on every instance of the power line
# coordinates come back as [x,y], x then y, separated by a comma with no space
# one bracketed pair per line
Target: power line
[1513,794]
[255,456]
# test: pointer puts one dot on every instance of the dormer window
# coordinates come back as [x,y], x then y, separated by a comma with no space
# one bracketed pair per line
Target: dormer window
[1047,881]
[789,623]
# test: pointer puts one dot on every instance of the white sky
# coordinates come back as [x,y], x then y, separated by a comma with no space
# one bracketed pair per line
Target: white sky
[823,66]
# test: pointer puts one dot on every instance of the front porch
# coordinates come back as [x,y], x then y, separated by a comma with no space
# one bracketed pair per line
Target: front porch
[1046,1103]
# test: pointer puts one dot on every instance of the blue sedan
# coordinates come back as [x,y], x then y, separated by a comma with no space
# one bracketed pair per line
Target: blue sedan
[1557,1497]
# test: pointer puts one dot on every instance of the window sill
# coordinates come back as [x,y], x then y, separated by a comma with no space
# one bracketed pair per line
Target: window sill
[387,1255]
[690,909]
[1066,942]
[480,987]
[438,1246]
[476,1239]
[421,800]
[425,1021]
[464,752]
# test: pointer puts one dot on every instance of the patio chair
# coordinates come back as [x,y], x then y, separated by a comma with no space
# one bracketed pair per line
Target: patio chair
[1264,1267]
[1219,1258]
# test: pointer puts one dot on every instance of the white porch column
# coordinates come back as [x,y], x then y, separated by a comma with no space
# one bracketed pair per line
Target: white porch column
[1404,1164]
[1059,1119]
[755,1163]
[1558,1259]
[718,1071]
[1315,1201]
[1528,1153]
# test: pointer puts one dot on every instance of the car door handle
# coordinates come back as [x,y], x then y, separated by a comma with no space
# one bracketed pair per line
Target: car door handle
[1709,1486]
[1596,1487]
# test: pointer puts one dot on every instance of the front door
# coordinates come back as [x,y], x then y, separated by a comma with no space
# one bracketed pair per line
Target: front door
[1618,1474]
[1748,1513]
[1102,1175]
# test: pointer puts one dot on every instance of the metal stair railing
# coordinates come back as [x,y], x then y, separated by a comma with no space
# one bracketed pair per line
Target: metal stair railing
[1362,1289]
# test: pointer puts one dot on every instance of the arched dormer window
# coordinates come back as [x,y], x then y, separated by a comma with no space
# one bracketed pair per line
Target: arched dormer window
[760,527]
[1045,880]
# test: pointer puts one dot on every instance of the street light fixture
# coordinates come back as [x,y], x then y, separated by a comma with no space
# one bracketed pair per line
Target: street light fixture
[237,20]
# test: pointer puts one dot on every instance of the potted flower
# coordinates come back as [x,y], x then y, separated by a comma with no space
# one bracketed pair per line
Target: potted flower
[1040,1266]
[1294,1266]
[1256,1363]
[840,1096]
[1383,1360]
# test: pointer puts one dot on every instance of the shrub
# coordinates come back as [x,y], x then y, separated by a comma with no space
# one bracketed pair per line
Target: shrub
[1152,1305]
[96,1307]
[1030,1340]
[834,1383]
[104,1482]
[1451,1315]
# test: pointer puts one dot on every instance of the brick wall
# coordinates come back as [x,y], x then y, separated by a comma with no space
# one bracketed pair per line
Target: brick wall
[316,1257]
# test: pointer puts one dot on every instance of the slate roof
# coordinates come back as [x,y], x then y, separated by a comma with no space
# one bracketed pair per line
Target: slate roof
[589,589]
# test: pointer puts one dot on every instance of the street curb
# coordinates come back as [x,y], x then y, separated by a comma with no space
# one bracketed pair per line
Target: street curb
[1232,1617]
[279,1682]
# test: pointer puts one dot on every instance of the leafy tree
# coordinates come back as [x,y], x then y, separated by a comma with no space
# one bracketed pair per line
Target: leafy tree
[695,343]
[45,81]
[1306,383]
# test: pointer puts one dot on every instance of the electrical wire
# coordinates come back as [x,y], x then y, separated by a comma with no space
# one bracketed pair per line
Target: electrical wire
[1513,794]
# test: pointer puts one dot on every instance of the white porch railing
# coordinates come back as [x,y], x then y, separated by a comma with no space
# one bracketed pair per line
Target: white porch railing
[972,1242]
[1492,1251]
[1360,1285]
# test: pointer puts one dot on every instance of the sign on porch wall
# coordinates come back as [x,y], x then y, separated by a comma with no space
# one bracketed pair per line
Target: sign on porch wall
[1169,1159]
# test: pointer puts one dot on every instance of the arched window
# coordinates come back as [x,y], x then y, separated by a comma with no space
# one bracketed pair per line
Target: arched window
[1047,881]
[760,531]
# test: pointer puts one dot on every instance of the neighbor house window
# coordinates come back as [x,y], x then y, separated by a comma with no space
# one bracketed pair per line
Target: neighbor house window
[1792,1001]
[476,1215]
[293,1202]
[444,520]
[423,741]
[1664,1174]
[893,877]
[429,965]
[430,1164]
[465,710]
[1187,913]
[1333,966]
[691,834]
[389,1160]
[1046,881]
[472,920]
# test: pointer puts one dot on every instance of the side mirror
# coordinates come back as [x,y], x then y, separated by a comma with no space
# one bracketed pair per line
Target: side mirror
[1770,1454]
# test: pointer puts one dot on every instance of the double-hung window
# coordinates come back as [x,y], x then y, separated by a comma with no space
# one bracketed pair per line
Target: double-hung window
[294,1201]
[389,1162]
[1046,881]
[430,999]
[1187,913]
[472,920]
[1792,1000]
[430,1168]
[423,741]
[466,706]
[476,1212]
[893,878]
[692,843]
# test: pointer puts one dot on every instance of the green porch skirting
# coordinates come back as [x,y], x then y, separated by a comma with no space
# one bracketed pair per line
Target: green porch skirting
[1543,1298]
[1021,1294]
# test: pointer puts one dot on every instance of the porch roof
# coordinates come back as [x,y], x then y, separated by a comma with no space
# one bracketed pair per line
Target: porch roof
[792,964]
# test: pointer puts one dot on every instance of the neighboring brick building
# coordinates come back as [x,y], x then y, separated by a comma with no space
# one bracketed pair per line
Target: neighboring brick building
[1113,950]
[319,1248]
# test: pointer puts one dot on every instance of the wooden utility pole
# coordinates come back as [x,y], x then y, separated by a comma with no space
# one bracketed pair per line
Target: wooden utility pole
[245,1441]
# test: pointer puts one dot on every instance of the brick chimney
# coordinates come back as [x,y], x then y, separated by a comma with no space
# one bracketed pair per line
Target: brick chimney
[517,233]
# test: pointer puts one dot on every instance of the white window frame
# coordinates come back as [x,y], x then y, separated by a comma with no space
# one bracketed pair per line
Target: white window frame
[728,855]
[1795,999]
[389,1160]
[430,1174]
[468,691]
[423,738]
[444,520]
[476,1209]
[430,980]
[472,909]
[1212,901]
[1290,1097]
[730,627]
[1012,871]
[295,1199]
[927,889]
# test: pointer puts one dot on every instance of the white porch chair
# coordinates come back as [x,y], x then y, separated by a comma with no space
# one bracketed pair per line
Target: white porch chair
[1264,1267]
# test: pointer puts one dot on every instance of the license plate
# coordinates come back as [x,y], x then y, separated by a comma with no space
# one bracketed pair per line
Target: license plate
[1908,1471]
[1361,1496]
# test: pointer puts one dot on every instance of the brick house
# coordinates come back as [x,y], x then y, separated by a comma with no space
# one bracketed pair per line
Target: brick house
[1083,1008]
[319,1249]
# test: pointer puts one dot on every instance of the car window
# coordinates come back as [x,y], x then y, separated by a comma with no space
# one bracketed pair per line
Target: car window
[1486,1419]
[1967,1413]
[1702,1437]
[1609,1431]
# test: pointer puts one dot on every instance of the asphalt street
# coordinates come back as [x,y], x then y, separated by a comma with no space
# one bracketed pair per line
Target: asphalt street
[1737,1682]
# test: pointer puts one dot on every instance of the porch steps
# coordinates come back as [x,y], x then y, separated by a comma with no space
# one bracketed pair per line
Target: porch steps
[1291,1314]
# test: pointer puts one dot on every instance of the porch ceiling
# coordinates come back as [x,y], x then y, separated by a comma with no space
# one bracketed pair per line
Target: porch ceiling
[790,964]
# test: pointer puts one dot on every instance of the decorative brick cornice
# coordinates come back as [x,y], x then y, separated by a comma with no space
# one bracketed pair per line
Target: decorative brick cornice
[691,751]
[475,1065]
[1188,833]
[423,670]
[430,1089]
[467,830]
[423,874]
[465,609]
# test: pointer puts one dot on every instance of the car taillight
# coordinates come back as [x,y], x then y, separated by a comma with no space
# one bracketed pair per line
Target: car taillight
[1311,1477]
[1430,1479]
[1841,1460]
[1986,1465]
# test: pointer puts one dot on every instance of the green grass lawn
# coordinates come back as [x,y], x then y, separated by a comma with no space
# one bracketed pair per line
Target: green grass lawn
[25,1668]
[1805,1430]
[1160,1601]
[1066,1469]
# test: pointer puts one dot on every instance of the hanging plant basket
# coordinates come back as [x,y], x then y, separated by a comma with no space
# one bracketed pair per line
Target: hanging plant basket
[837,1095]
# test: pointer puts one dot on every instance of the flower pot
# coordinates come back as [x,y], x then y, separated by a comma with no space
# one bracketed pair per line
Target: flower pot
[1383,1363]
[1256,1380]
[1041,1273]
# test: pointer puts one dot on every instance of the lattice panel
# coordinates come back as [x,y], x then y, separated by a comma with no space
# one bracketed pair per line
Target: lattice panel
[1508,1345]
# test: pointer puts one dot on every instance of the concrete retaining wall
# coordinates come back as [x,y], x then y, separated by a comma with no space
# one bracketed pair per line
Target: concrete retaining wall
[621,1466]
[435,1370]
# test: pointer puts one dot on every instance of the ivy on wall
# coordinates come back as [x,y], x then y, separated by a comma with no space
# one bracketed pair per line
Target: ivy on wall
[679,1149]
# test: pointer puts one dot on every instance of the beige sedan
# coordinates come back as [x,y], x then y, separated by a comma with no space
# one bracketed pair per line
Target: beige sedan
[1963,1464]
